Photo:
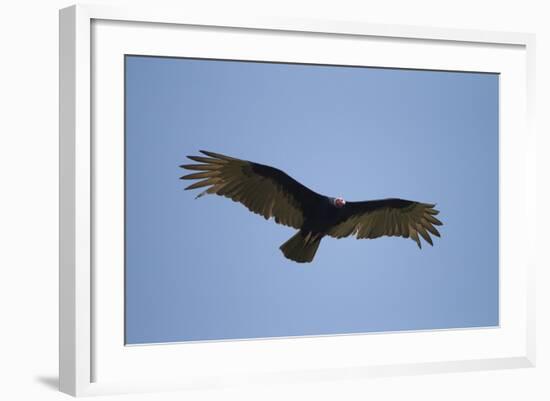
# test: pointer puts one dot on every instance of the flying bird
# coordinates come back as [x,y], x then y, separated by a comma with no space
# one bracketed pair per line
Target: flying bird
[270,192]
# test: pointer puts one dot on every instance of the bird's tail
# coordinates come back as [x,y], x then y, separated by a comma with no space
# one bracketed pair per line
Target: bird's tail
[301,248]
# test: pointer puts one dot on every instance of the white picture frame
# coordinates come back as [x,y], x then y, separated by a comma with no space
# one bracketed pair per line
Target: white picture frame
[93,358]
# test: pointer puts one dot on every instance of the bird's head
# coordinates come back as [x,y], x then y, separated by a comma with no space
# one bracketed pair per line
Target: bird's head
[339,202]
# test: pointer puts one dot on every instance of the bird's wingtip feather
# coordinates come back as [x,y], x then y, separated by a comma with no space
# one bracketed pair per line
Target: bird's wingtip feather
[207,153]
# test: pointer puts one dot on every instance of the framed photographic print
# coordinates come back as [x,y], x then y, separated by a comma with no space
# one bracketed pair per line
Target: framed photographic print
[216,173]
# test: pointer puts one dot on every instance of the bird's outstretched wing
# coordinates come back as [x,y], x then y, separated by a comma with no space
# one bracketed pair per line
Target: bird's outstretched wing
[262,189]
[390,217]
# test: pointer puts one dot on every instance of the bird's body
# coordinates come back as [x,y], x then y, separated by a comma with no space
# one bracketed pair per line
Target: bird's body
[270,192]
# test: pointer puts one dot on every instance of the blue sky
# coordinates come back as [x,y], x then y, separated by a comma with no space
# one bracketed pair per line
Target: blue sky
[209,269]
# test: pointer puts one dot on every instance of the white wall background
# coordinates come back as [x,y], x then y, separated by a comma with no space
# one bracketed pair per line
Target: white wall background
[29,185]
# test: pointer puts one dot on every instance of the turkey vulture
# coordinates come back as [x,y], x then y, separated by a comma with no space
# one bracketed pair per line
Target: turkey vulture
[270,192]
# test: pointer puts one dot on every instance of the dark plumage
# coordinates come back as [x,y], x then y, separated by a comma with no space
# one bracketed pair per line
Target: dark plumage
[270,192]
